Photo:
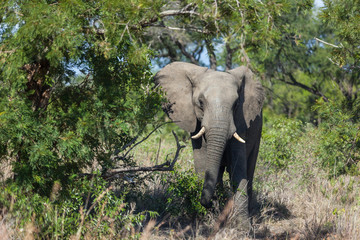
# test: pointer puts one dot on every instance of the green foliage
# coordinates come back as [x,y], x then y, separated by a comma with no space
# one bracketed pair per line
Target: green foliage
[90,209]
[74,88]
[339,139]
[343,20]
[278,143]
[334,142]
[184,193]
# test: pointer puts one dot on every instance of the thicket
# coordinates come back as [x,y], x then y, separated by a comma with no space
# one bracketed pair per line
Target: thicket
[76,87]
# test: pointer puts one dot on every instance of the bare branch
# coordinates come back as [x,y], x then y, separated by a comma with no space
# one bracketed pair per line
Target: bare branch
[167,13]
[167,166]
[187,54]
[132,141]
[322,41]
[193,29]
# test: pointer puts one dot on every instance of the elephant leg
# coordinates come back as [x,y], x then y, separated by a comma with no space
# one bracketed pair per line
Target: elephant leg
[252,154]
[239,180]
[199,149]
[251,163]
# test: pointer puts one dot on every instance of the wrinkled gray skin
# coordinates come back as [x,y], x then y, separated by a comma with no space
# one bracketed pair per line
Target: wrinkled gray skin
[224,103]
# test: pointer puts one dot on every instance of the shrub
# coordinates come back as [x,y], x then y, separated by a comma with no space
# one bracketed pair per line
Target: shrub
[339,139]
[278,143]
[184,193]
[90,208]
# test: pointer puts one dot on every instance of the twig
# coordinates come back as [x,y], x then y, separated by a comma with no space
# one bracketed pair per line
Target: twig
[322,41]
[168,13]
[158,152]
[132,141]
[167,166]
[194,29]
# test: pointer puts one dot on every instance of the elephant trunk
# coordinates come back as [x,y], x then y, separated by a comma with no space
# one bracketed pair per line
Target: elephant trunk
[217,137]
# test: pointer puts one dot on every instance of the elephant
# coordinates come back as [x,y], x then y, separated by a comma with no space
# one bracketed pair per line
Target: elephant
[222,111]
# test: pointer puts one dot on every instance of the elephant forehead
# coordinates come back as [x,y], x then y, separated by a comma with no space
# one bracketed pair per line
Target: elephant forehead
[217,77]
[220,88]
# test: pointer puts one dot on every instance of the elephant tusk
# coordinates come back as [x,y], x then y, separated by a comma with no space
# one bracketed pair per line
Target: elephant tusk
[237,137]
[199,134]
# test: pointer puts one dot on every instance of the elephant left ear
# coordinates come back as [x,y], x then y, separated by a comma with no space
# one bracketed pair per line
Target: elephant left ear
[252,94]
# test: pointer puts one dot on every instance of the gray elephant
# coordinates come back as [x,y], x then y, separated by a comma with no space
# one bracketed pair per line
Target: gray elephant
[223,113]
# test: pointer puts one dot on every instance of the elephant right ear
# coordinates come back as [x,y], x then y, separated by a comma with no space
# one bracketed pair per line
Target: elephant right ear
[253,94]
[176,80]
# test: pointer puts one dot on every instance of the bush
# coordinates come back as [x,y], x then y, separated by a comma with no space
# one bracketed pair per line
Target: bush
[184,193]
[339,139]
[91,208]
[279,142]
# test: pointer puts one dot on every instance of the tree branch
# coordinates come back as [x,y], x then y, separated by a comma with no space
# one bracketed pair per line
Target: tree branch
[322,41]
[187,54]
[211,53]
[166,166]
[167,13]
[134,139]
[229,56]
[193,29]
[314,91]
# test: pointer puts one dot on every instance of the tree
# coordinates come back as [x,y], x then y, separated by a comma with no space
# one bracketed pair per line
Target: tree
[343,19]
[75,85]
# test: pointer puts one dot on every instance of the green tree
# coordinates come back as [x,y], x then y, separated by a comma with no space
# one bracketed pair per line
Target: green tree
[75,85]
[343,18]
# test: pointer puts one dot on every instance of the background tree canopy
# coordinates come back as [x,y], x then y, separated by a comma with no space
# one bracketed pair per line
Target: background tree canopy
[76,76]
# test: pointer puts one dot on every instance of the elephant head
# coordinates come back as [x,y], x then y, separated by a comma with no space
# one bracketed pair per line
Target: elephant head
[214,107]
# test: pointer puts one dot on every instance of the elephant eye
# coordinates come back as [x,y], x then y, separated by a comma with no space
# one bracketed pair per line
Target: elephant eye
[201,104]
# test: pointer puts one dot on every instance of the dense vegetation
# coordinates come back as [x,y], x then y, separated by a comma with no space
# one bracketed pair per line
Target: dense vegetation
[76,88]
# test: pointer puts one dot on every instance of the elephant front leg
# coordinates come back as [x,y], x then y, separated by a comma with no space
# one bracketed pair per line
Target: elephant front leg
[238,178]
[199,149]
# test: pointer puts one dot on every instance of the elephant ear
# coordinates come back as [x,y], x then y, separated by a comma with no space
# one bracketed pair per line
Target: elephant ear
[251,93]
[176,79]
